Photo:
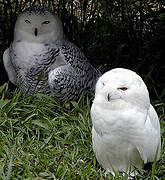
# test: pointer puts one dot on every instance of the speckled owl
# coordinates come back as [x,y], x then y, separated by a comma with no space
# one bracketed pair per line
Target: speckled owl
[41,60]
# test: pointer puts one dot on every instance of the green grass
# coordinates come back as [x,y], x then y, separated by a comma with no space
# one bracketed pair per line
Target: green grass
[40,139]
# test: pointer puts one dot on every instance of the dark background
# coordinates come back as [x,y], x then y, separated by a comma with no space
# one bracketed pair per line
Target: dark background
[119,33]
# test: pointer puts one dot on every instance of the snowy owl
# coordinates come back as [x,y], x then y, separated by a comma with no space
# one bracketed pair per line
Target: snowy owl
[126,129]
[40,59]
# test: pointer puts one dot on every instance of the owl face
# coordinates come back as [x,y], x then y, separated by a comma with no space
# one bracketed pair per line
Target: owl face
[121,85]
[38,24]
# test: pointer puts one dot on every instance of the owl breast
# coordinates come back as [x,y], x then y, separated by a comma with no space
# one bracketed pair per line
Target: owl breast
[32,62]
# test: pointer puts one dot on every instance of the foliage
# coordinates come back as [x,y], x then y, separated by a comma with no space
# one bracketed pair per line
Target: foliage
[41,139]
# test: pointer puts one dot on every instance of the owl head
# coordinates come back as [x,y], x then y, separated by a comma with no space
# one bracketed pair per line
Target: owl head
[121,86]
[38,24]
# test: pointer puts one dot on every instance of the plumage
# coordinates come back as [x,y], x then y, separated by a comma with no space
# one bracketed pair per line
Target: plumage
[126,129]
[41,59]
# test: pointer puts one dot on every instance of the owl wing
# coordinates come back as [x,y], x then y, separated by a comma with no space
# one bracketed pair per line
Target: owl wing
[156,141]
[65,82]
[71,73]
[9,66]
[151,143]
[154,118]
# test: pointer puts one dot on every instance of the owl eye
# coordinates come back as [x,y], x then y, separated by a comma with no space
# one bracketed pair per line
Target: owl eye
[103,84]
[46,22]
[123,88]
[27,21]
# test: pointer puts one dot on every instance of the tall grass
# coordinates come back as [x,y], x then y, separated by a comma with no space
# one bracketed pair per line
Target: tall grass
[41,139]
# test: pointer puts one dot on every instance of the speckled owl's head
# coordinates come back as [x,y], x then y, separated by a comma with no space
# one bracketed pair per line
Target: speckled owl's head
[38,24]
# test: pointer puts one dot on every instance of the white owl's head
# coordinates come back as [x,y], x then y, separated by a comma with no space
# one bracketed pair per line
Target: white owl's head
[38,24]
[121,86]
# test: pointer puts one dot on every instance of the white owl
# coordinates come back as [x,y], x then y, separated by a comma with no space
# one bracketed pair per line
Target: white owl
[40,59]
[126,129]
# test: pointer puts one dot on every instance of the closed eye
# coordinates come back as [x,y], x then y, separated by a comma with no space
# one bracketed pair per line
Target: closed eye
[46,22]
[27,21]
[123,88]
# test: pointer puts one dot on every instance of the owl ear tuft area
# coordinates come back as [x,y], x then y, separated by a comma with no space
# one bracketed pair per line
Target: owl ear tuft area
[138,82]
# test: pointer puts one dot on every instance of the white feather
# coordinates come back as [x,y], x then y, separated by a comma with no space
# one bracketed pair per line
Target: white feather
[9,67]
[126,130]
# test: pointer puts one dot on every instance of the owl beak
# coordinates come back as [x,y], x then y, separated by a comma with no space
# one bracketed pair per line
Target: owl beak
[109,97]
[35,31]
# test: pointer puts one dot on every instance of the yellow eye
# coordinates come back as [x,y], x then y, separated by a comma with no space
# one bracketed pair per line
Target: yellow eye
[27,21]
[46,22]
[123,88]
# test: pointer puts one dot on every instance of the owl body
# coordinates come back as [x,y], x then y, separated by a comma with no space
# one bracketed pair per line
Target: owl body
[126,130]
[41,60]
[28,60]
